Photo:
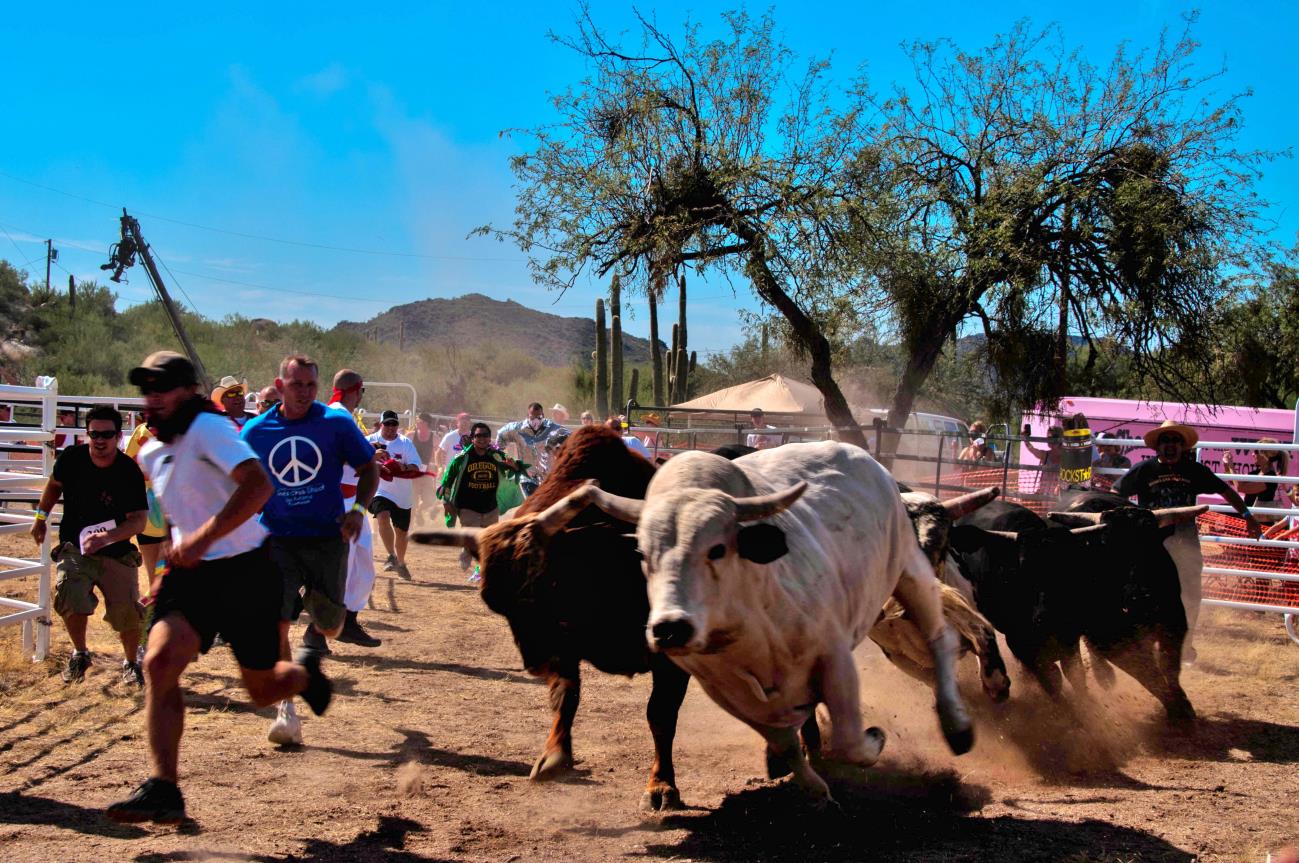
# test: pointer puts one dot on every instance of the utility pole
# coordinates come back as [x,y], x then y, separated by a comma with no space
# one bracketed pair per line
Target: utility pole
[401,336]
[51,254]
[123,256]
[72,294]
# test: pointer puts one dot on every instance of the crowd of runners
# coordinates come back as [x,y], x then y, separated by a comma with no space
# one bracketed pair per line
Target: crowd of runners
[248,510]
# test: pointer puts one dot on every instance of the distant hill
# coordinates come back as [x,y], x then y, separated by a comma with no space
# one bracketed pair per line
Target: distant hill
[477,319]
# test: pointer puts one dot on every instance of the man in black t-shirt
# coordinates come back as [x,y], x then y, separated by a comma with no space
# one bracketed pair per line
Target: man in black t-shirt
[1173,478]
[104,505]
[471,481]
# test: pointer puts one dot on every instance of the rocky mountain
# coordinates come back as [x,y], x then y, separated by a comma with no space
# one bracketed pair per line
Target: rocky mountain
[475,319]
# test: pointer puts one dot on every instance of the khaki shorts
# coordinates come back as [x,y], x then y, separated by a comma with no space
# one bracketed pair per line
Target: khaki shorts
[116,577]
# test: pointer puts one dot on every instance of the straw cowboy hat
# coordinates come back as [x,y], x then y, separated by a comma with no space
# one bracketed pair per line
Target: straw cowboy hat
[650,419]
[1186,433]
[229,382]
[559,413]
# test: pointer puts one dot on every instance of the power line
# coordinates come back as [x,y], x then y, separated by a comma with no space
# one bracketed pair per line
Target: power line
[280,290]
[175,281]
[248,236]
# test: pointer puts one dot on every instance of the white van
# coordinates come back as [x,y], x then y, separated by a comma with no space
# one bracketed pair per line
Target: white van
[924,436]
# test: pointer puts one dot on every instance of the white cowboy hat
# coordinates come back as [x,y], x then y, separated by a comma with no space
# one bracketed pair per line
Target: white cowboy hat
[1188,435]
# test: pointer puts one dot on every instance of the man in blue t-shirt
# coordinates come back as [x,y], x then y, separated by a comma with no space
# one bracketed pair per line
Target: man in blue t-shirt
[303,445]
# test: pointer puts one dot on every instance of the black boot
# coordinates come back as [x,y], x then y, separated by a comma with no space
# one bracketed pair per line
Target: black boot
[354,633]
[314,640]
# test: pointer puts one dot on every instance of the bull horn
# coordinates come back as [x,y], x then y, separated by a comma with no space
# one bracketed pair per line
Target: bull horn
[1091,528]
[767,505]
[1075,519]
[1179,514]
[968,503]
[463,537]
[622,508]
[1004,534]
[557,516]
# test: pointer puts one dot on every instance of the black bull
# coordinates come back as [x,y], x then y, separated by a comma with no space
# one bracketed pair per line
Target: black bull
[1104,576]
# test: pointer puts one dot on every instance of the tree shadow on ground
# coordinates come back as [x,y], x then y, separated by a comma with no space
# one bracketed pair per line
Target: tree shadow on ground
[895,816]
[397,663]
[415,746]
[19,808]
[387,842]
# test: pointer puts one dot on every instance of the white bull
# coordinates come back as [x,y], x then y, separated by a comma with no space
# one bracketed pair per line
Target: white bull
[765,572]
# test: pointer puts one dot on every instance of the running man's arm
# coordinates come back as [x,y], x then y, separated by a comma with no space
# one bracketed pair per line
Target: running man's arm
[253,489]
[50,496]
[134,523]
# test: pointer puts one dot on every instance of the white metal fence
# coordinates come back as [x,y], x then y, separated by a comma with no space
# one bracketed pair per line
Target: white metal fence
[26,458]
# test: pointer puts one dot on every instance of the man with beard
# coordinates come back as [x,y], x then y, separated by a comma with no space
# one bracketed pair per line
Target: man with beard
[210,485]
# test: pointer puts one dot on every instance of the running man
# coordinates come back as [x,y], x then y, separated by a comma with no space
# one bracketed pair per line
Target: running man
[304,445]
[348,390]
[471,484]
[210,485]
[104,505]
[393,501]
[529,437]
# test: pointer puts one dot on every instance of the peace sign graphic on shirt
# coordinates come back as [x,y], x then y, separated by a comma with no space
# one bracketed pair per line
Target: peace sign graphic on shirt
[295,461]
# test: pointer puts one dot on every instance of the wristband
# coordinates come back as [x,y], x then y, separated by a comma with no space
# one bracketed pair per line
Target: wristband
[41,514]
[357,507]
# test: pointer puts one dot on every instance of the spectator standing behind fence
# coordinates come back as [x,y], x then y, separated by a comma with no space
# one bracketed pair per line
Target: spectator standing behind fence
[453,443]
[587,418]
[1174,478]
[104,505]
[1108,456]
[757,440]
[1049,484]
[1267,462]
[978,430]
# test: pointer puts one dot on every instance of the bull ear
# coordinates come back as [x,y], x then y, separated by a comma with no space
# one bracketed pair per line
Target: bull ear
[767,505]
[463,537]
[968,503]
[1075,519]
[761,543]
[1179,514]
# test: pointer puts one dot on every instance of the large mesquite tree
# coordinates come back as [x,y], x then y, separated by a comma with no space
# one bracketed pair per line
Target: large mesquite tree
[716,155]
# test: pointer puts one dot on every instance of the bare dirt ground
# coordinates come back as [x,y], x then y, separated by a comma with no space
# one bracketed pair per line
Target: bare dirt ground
[425,754]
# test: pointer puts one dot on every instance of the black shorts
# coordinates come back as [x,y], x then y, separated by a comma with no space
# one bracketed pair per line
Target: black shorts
[238,597]
[313,572]
[400,517]
[145,539]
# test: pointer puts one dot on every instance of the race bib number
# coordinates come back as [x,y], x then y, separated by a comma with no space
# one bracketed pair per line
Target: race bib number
[90,530]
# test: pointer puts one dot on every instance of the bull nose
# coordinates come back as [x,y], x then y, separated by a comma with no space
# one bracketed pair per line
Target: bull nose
[675,632]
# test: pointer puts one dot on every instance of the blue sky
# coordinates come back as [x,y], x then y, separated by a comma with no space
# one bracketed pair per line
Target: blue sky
[381,131]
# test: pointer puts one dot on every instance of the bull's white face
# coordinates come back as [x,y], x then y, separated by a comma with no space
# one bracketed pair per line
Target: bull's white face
[702,565]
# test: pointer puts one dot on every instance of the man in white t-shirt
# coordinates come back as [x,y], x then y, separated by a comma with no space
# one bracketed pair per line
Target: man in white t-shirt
[761,441]
[211,486]
[457,437]
[392,503]
[348,389]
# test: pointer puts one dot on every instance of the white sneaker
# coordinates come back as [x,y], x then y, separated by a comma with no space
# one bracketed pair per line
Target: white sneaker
[286,730]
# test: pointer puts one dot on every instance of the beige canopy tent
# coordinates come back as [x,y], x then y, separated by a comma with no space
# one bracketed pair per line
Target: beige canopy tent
[775,394]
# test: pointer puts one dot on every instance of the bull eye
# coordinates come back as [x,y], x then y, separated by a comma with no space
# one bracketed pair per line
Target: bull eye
[717,552]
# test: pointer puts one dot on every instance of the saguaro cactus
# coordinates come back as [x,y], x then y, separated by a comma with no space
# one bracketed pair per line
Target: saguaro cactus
[656,355]
[681,365]
[601,363]
[633,388]
[615,349]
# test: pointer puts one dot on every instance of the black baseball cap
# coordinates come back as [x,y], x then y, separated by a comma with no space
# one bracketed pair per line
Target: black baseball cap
[389,417]
[166,367]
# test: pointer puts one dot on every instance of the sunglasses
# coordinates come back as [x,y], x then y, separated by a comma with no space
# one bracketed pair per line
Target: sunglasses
[482,434]
[1168,438]
[101,435]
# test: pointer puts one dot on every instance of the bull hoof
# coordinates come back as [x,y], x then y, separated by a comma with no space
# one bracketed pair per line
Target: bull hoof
[1181,717]
[958,730]
[551,765]
[777,766]
[997,688]
[661,800]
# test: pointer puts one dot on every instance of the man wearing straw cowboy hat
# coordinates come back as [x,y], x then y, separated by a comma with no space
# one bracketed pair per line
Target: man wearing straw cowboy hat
[1174,478]
[229,398]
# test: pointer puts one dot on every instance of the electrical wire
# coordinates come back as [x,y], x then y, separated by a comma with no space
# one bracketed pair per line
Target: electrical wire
[247,236]
[175,281]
